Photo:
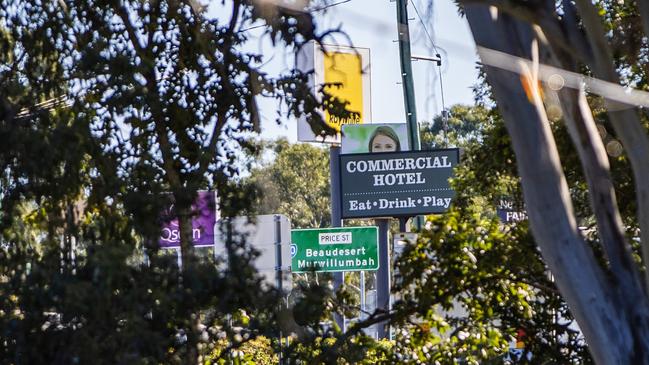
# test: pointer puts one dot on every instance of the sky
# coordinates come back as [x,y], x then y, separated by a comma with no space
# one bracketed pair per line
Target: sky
[372,24]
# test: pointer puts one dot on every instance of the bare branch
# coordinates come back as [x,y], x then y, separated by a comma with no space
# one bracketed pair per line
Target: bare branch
[221,115]
[540,16]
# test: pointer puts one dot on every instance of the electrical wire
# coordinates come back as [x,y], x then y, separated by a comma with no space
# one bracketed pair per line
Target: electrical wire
[321,8]
[444,112]
[425,28]
[439,69]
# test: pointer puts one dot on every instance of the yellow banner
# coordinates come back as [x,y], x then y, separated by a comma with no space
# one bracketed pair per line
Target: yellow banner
[346,69]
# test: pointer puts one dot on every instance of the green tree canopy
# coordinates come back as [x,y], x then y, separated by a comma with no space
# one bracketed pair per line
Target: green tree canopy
[458,126]
[295,183]
[110,110]
[535,57]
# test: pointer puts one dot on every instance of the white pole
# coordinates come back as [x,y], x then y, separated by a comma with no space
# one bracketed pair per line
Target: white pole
[73,255]
[363,299]
[215,230]
[145,257]
[278,273]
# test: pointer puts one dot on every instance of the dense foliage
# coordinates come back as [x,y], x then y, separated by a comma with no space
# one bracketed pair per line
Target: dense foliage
[581,152]
[110,110]
[295,183]
[467,286]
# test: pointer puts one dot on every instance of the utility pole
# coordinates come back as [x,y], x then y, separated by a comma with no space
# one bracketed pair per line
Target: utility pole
[408,87]
[406,75]
[383,275]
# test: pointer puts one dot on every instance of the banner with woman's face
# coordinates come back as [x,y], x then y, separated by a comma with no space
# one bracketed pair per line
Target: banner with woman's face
[374,138]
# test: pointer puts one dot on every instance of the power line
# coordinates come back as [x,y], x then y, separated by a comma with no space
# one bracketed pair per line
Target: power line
[329,6]
[425,28]
[439,70]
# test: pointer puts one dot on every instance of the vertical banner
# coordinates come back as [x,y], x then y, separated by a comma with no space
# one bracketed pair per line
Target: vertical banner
[346,72]
[343,79]
[204,217]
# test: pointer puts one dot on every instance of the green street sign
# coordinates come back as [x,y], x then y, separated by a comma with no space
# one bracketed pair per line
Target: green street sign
[335,249]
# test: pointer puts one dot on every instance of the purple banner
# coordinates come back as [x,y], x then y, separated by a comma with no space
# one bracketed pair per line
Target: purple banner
[204,216]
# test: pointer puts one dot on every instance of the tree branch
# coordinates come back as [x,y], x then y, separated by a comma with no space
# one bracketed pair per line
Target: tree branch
[626,123]
[594,161]
[168,160]
[130,29]
[541,17]
[581,280]
[221,114]
[374,318]
[592,154]
[643,8]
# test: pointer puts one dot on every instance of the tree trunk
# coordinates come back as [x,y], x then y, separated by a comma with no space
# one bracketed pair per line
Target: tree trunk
[615,335]
[191,317]
[625,122]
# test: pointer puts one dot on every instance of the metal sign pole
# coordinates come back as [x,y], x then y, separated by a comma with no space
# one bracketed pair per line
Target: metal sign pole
[278,274]
[363,298]
[215,232]
[403,224]
[383,276]
[407,82]
[278,252]
[336,214]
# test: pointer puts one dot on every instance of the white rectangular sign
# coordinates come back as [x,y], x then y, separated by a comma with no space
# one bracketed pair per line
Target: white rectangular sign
[335,238]
[261,234]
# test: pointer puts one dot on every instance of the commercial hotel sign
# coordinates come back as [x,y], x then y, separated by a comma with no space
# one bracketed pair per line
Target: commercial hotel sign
[397,184]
